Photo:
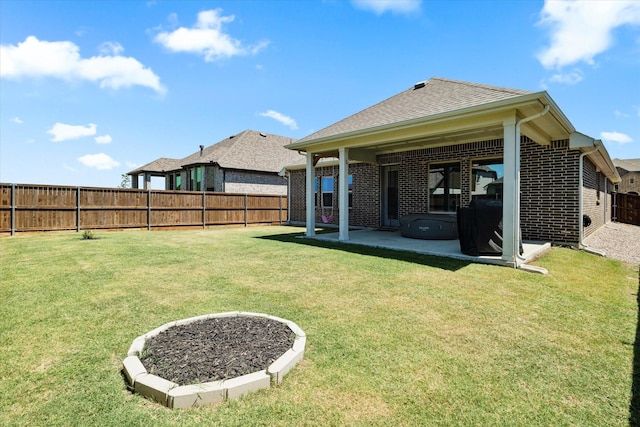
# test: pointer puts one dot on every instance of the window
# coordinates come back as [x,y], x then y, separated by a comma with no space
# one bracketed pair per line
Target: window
[444,187]
[178,180]
[327,191]
[486,179]
[350,190]
[195,181]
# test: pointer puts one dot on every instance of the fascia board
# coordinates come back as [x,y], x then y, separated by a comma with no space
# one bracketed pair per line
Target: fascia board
[606,164]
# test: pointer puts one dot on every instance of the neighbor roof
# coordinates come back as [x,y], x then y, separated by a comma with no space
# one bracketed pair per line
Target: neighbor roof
[629,165]
[428,98]
[248,150]
[160,165]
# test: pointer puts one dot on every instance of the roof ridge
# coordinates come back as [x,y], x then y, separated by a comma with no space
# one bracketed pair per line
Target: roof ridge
[480,85]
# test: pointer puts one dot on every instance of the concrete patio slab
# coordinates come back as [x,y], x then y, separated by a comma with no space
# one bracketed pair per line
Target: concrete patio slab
[443,248]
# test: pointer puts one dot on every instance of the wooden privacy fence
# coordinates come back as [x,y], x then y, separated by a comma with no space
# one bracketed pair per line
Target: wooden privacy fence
[626,208]
[25,207]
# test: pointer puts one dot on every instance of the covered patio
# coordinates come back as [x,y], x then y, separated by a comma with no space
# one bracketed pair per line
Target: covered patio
[425,117]
[443,248]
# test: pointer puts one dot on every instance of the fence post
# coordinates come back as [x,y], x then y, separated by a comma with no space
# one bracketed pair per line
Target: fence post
[13,209]
[280,214]
[149,209]
[246,209]
[204,209]
[78,215]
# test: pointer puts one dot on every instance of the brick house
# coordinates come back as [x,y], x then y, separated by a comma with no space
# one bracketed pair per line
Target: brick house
[431,149]
[248,162]
[629,170]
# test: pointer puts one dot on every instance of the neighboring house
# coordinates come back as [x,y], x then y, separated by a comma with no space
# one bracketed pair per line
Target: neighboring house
[629,171]
[248,162]
[435,146]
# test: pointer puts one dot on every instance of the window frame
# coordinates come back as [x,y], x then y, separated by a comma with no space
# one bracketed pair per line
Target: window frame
[449,168]
[473,181]
[325,193]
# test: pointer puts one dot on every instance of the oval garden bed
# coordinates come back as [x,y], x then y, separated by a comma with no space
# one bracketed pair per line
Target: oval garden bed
[211,358]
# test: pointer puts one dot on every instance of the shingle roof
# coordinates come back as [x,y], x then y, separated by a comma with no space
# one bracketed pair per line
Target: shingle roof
[160,165]
[431,97]
[630,165]
[248,150]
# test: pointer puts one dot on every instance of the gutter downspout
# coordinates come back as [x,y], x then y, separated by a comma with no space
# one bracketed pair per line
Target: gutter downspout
[288,178]
[581,244]
[516,213]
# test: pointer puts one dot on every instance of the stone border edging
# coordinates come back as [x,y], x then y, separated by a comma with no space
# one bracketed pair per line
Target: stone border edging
[173,395]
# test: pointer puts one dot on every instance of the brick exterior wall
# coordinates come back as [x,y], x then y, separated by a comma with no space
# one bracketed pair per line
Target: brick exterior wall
[254,183]
[596,202]
[366,195]
[549,187]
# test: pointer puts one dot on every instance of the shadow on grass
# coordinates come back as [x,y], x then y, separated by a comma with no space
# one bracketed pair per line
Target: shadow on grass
[443,263]
[634,407]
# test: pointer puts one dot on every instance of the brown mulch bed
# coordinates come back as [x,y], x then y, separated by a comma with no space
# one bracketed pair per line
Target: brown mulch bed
[216,349]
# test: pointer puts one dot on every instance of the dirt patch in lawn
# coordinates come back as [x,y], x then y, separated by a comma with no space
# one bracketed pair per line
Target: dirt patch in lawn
[216,349]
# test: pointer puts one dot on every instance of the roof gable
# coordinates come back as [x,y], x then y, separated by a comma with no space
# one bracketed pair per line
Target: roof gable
[248,150]
[428,98]
[629,165]
[161,165]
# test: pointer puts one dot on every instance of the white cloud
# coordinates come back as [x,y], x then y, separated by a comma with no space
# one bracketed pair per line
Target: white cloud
[16,120]
[207,38]
[64,132]
[111,48]
[571,78]
[619,113]
[104,139]
[580,30]
[285,120]
[36,58]
[99,161]
[618,137]
[394,6]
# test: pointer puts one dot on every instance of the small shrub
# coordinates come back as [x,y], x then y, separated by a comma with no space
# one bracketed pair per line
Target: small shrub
[88,235]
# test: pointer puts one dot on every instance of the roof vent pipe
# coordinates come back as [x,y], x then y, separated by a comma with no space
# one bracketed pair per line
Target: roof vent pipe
[201,149]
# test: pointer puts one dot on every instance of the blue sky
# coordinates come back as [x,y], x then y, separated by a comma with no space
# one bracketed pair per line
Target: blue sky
[92,89]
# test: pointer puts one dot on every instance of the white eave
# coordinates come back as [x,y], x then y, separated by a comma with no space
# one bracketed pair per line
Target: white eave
[451,127]
[599,157]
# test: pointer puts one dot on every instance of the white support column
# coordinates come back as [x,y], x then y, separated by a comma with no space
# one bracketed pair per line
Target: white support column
[343,193]
[511,190]
[311,202]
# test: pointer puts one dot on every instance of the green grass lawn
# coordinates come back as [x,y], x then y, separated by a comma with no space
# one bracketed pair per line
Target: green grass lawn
[392,338]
